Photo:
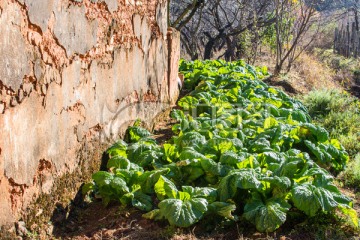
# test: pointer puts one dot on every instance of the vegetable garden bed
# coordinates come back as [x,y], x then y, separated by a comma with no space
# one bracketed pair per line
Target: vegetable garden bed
[242,151]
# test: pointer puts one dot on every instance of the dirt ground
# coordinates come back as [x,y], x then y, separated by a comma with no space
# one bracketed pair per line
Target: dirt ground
[91,220]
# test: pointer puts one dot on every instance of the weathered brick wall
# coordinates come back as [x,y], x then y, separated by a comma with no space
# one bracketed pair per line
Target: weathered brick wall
[72,71]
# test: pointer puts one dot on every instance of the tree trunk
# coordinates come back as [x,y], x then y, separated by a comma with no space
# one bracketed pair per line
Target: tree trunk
[230,49]
[209,48]
[194,56]
[356,19]
[278,68]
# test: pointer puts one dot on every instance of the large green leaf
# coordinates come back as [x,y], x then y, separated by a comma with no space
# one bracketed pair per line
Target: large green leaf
[164,188]
[223,209]
[177,114]
[142,201]
[129,176]
[149,178]
[171,152]
[135,150]
[119,186]
[102,178]
[316,151]
[134,134]
[267,216]
[190,153]
[260,145]
[137,199]
[320,133]
[243,179]
[310,199]
[188,102]
[109,186]
[147,158]
[183,213]
[283,183]
[191,139]
[118,149]
[210,194]
[197,167]
[219,146]
[233,159]
[191,169]
[270,122]
[118,162]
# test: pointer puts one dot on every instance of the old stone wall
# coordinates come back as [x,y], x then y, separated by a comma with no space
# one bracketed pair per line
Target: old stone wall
[72,71]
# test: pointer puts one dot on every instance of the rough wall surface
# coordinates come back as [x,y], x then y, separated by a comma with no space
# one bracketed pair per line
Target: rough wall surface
[72,71]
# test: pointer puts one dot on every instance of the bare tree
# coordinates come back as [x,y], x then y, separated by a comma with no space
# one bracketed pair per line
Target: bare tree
[294,19]
[215,26]
[331,5]
[181,12]
[190,38]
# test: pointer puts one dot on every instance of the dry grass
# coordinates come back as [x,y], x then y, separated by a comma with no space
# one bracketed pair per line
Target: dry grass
[307,73]
[313,74]
[345,68]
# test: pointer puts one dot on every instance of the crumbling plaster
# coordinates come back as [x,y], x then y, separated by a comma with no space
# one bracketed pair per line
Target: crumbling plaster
[71,71]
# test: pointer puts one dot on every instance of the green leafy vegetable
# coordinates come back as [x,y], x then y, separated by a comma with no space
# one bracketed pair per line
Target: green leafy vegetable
[240,147]
[267,216]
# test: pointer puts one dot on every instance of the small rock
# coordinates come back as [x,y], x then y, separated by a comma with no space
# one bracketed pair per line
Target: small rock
[50,229]
[21,228]
[39,212]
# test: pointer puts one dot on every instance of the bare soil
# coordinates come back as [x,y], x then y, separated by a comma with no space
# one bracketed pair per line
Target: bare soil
[91,220]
